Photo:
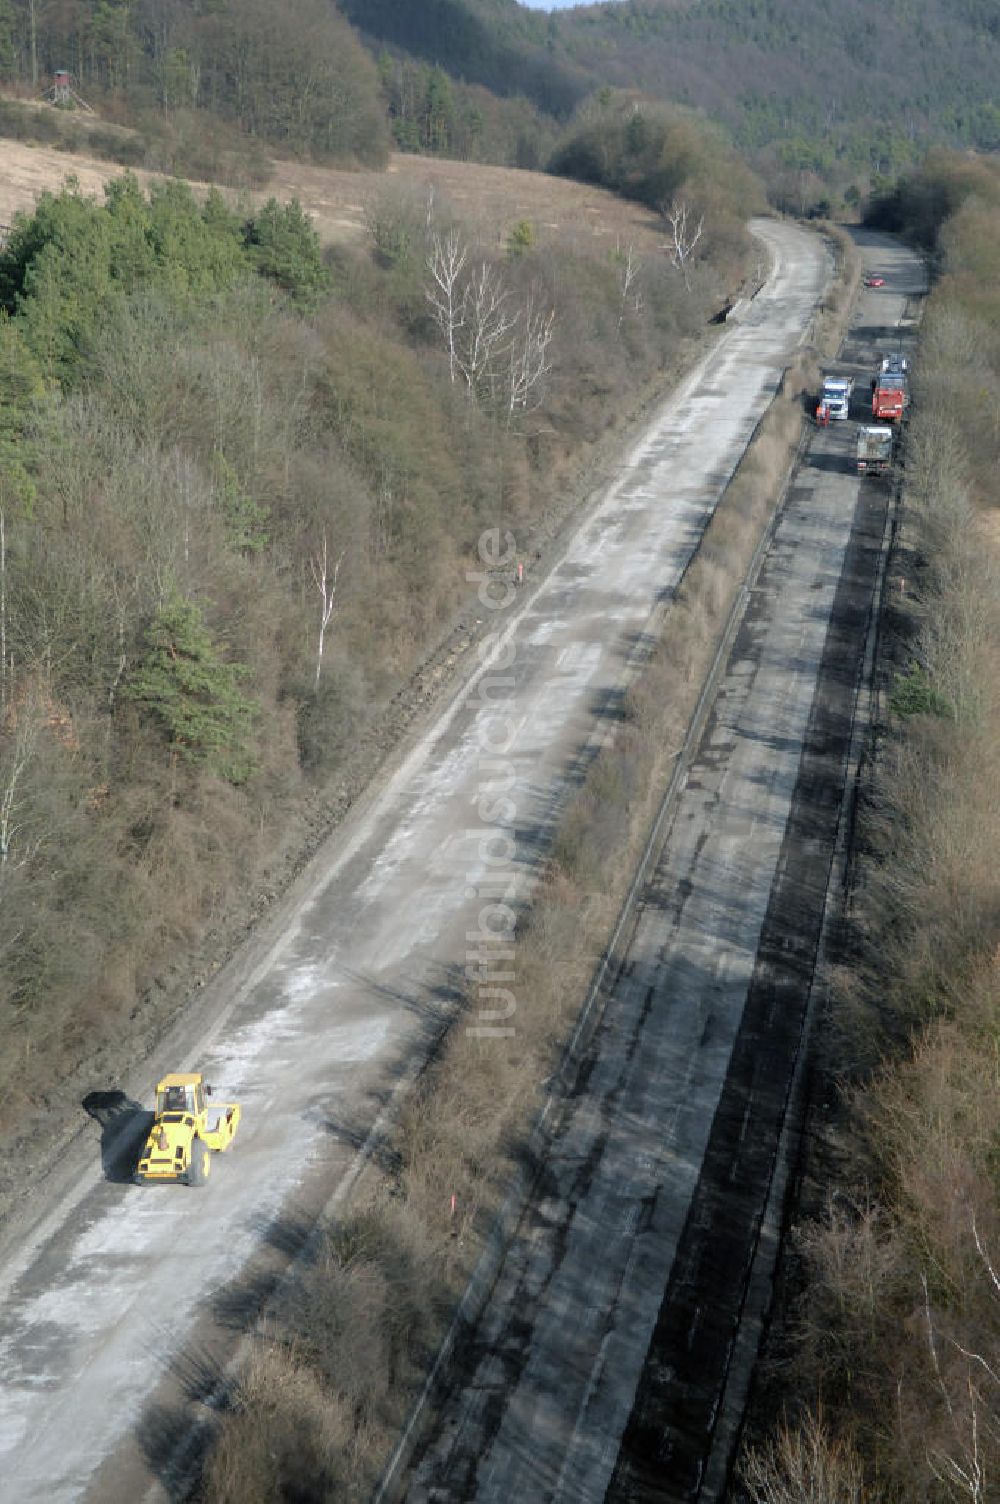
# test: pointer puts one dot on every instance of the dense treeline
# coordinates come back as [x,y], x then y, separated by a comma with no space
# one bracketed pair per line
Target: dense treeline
[823,103]
[499,46]
[202,83]
[654,154]
[206,88]
[896,1347]
[207,434]
[819,96]
[920,205]
[294,75]
[432,113]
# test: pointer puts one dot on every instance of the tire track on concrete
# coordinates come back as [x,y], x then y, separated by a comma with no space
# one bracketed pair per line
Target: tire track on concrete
[586,1274]
[665,1447]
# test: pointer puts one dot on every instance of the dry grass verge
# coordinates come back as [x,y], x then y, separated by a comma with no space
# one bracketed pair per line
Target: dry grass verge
[898,1325]
[365,1319]
[835,312]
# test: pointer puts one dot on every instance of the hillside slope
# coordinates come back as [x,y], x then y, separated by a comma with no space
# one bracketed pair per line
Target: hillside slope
[197,409]
[819,99]
[845,94]
[857,85]
[500,45]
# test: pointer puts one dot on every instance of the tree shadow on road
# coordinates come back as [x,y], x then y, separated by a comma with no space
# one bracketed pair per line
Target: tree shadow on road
[124,1125]
[175,1446]
[240,1303]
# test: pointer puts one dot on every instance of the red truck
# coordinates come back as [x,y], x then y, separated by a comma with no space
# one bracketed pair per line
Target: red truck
[888,397]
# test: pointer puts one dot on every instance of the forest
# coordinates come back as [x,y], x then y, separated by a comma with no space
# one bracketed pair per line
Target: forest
[295,77]
[832,90]
[822,104]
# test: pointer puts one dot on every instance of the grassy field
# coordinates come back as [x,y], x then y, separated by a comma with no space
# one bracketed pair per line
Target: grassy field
[489,199]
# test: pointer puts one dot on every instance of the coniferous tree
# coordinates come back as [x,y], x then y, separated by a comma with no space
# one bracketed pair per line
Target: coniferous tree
[192,694]
[284,246]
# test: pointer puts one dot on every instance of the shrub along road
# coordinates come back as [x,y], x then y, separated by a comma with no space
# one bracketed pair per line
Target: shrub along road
[120,1305]
[613,1358]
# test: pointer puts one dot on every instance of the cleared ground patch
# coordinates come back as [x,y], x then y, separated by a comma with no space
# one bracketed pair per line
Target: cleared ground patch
[495,198]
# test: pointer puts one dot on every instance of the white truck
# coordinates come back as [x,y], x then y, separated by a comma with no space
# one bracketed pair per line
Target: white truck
[837,395]
[874,449]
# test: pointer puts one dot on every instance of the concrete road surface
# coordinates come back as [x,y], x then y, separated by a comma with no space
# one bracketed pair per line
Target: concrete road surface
[602,1366]
[111,1291]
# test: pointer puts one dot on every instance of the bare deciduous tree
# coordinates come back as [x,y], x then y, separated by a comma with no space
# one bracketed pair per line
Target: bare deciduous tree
[501,353]
[18,738]
[325,580]
[382,513]
[446,263]
[529,358]
[486,323]
[121,657]
[628,281]
[804,1463]
[971,1406]
[684,236]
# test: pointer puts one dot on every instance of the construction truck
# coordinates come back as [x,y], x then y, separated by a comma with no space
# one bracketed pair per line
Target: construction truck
[836,395]
[874,450]
[889,397]
[186,1132]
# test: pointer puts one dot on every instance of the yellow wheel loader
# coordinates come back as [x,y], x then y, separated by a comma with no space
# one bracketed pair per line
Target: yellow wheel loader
[186,1132]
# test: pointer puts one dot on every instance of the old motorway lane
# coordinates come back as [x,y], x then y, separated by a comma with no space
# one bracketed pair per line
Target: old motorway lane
[111,1290]
[612,1360]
